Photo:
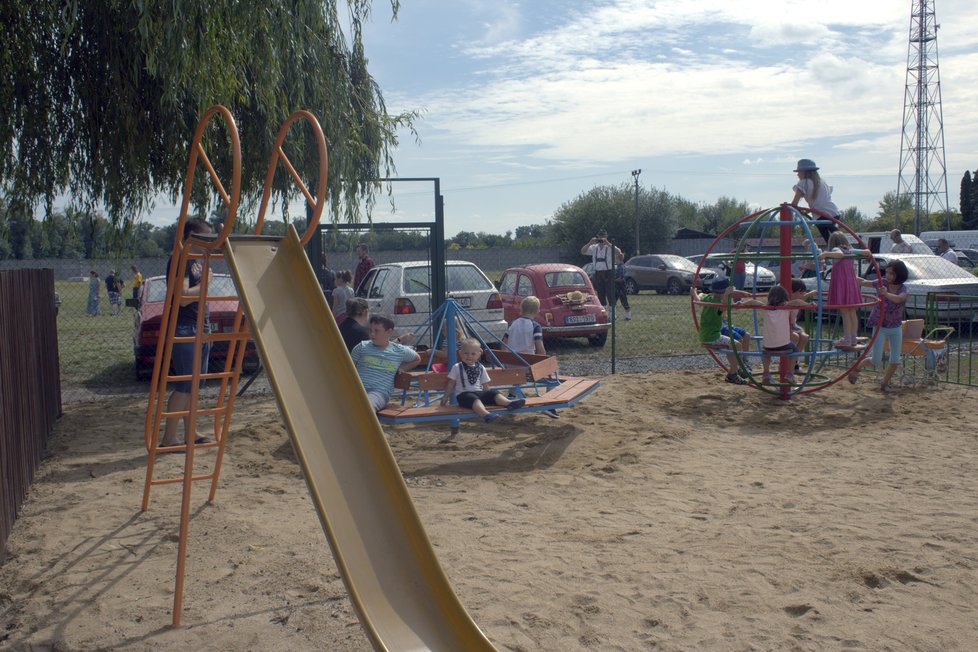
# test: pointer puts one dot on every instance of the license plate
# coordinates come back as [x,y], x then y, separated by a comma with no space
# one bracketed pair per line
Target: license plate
[579,319]
[465,302]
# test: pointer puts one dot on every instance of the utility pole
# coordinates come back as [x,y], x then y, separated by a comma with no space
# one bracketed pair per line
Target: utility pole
[635,174]
[923,174]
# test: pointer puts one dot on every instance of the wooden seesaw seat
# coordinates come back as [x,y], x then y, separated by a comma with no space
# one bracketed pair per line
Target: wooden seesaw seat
[532,372]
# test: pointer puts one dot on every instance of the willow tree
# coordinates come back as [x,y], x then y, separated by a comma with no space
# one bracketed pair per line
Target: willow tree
[100,97]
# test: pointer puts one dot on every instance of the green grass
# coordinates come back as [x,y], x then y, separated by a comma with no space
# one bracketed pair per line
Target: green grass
[660,325]
[94,351]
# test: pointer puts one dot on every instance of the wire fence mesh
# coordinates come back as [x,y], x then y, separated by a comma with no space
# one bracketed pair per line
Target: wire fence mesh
[98,345]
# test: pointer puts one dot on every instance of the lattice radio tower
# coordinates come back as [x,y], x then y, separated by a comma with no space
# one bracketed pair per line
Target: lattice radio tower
[923,175]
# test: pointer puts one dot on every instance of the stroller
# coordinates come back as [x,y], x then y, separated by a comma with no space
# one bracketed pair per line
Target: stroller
[924,356]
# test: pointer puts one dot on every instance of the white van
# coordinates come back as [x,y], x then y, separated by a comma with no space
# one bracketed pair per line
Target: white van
[957,239]
[879,242]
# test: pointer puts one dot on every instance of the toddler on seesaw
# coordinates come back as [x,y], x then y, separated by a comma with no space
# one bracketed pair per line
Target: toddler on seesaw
[468,381]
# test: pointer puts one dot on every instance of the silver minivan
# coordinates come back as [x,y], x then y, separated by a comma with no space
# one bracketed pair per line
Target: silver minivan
[403,291]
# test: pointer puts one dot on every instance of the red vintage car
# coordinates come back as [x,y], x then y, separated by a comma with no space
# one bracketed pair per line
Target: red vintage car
[146,331]
[569,306]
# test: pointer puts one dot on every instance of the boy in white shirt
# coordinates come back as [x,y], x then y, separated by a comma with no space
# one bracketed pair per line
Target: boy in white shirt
[525,335]
[468,382]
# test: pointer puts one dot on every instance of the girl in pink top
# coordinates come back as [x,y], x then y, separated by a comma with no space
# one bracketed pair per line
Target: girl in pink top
[844,293]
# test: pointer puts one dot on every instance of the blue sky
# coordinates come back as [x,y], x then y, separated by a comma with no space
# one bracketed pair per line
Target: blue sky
[529,104]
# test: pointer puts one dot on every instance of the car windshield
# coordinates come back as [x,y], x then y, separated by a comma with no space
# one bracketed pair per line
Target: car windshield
[459,278]
[677,262]
[220,285]
[564,279]
[934,267]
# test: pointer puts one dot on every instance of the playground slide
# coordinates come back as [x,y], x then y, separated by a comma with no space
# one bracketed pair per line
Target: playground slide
[399,590]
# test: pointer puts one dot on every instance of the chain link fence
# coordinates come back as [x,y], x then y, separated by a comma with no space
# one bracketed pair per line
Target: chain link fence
[96,338]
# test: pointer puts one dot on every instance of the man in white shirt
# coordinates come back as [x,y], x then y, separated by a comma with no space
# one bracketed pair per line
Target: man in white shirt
[944,251]
[899,245]
[602,257]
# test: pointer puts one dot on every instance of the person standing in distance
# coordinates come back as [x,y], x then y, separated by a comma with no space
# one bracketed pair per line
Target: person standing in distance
[944,251]
[137,282]
[900,246]
[365,265]
[602,255]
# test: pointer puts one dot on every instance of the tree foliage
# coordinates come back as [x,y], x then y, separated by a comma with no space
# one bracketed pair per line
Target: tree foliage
[898,212]
[101,98]
[969,200]
[613,208]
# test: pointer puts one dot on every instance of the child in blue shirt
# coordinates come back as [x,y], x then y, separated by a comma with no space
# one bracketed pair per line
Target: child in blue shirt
[379,359]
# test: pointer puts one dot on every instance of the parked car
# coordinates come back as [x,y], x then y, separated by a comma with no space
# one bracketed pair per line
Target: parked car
[927,274]
[972,254]
[664,273]
[964,262]
[879,242]
[759,278]
[568,303]
[403,291]
[589,270]
[149,315]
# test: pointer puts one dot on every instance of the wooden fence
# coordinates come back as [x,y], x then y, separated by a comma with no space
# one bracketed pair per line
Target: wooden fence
[30,385]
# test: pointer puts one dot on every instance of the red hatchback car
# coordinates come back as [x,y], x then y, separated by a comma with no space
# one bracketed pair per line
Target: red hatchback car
[149,314]
[568,303]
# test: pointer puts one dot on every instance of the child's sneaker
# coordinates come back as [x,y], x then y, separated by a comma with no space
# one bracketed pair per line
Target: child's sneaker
[744,373]
[735,379]
[489,418]
[552,414]
[516,404]
[766,380]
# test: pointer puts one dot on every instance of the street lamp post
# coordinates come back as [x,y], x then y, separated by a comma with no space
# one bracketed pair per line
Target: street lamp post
[635,174]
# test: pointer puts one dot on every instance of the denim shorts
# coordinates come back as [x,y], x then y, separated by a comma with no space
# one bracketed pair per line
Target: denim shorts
[182,358]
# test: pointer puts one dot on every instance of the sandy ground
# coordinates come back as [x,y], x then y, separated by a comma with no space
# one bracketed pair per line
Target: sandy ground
[668,511]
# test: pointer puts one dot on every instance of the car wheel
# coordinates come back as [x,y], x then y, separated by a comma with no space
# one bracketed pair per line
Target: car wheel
[597,341]
[631,287]
[674,286]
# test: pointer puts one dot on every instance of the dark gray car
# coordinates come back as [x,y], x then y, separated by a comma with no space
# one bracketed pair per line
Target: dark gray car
[664,273]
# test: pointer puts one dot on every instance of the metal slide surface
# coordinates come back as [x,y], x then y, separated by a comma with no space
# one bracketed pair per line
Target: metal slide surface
[392,576]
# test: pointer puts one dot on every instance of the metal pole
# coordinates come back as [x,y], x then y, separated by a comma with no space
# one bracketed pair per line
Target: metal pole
[635,174]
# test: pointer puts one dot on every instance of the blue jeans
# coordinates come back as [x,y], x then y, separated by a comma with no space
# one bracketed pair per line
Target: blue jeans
[894,335]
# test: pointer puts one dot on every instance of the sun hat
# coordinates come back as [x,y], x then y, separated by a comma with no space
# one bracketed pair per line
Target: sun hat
[575,296]
[602,232]
[719,284]
[806,165]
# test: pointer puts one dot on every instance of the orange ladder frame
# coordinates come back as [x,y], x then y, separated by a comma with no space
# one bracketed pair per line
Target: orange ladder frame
[237,338]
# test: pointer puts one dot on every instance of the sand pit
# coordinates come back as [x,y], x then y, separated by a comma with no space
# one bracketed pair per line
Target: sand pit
[668,511]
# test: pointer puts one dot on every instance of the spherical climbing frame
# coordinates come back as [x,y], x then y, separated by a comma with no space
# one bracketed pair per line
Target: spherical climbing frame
[826,364]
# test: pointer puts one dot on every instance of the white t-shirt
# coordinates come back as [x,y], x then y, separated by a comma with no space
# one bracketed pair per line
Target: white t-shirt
[464,384]
[821,202]
[901,248]
[601,255]
[950,255]
[777,328]
[523,334]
